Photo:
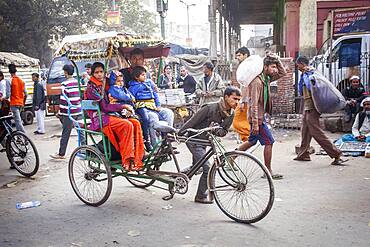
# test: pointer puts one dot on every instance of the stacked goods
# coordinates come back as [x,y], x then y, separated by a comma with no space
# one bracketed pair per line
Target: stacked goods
[175,97]
[162,97]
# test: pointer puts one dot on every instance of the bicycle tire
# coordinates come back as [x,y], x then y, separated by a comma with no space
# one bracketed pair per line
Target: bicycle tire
[140,182]
[239,181]
[20,149]
[91,172]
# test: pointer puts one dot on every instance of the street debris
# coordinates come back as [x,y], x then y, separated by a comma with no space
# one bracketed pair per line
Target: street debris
[167,207]
[278,199]
[76,244]
[12,184]
[31,204]
[115,242]
[133,233]
[46,176]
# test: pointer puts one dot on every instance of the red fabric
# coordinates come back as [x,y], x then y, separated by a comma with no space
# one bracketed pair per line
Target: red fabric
[17,92]
[99,83]
[130,140]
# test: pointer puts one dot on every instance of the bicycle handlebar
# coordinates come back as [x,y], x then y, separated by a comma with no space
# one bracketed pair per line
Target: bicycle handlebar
[208,129]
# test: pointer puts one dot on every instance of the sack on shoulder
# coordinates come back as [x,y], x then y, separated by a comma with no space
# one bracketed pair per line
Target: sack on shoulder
[249,69]
[326,97]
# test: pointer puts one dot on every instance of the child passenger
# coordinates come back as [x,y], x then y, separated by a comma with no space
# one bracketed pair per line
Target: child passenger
[118,93]
[147,103]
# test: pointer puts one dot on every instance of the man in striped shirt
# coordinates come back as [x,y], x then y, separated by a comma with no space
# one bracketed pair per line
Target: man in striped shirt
[70,91]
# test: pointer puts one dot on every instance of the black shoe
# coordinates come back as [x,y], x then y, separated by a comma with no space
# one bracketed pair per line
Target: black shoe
[204,200]
[11,167]
[148,146]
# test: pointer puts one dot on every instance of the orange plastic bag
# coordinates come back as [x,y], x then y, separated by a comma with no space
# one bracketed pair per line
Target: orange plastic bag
[241,123]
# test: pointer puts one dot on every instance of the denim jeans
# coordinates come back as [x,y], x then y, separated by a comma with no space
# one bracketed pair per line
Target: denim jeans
[160,121]
[66,133]
[17,118]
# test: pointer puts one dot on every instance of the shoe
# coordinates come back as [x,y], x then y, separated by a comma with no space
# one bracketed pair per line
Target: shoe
[302,159]
[57,156]
[203,200]
[339,162]
[148,146]
[38,133]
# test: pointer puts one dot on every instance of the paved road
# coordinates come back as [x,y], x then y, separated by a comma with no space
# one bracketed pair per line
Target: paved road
[315,205]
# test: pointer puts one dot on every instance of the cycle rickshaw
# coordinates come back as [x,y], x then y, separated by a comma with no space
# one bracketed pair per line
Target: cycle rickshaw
[20,150]
[241,186]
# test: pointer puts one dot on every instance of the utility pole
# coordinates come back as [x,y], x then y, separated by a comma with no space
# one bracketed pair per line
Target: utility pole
[187,12]
[162,7]
[212,22]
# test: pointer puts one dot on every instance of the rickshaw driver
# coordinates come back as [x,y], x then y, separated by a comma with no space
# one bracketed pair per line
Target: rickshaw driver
[222,113]
[136,59]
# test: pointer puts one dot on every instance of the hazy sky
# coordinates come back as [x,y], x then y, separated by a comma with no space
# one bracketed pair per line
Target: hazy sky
[197,14]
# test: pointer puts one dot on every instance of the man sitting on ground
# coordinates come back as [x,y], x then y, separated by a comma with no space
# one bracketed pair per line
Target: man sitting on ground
[353,94]
[361,126]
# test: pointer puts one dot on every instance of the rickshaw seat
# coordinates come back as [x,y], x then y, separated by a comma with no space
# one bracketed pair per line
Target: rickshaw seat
[82,124]
[90,105]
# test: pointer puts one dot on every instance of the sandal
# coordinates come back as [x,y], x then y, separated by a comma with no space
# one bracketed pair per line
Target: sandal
[277,176]
[339,162]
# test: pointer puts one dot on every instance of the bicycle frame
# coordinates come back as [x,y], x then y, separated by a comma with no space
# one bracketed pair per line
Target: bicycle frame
[7,126]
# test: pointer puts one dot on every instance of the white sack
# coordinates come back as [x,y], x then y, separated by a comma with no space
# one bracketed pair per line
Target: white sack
[249,69]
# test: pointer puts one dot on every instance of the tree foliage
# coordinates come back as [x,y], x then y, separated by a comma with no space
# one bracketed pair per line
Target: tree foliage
[136,19]
[28,25]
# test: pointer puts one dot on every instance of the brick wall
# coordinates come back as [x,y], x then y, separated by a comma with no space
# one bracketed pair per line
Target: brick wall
[283,98]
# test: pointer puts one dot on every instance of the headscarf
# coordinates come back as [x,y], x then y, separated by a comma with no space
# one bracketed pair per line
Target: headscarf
[367,99]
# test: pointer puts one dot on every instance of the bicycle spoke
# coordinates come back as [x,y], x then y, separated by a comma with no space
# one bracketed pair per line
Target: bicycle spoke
[240,189]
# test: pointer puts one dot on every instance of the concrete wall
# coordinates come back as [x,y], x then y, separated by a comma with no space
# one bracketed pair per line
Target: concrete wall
[307,30]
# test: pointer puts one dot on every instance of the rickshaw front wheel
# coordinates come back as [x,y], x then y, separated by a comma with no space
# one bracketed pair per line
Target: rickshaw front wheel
[90,175]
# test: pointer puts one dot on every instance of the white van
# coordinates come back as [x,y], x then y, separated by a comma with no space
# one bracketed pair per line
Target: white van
[349,56]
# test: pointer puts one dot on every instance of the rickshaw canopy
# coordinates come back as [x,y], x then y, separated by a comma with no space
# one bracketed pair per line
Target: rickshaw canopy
[106,44]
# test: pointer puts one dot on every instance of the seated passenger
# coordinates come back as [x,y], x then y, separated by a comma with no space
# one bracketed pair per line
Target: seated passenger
[124,134]
[118,93]
[361,126]
[147,101]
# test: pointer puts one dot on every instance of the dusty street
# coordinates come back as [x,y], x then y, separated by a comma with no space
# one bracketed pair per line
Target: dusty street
[315,205]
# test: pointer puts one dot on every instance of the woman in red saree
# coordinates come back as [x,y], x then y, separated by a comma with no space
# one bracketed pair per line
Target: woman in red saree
[124,134]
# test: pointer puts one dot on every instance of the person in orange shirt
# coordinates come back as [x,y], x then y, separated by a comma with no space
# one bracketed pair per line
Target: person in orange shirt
[241,123]
[18,94]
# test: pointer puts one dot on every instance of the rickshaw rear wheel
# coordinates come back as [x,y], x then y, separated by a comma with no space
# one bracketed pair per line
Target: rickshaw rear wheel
[22,153]
[90,175]
[143,183]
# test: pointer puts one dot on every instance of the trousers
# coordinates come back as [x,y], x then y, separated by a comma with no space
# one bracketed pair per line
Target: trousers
[17,118]
[311,129]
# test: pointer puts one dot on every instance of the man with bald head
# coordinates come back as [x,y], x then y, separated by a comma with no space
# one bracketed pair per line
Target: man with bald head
[186,81]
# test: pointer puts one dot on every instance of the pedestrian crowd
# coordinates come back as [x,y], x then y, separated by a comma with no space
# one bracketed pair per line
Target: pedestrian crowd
[133,119]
